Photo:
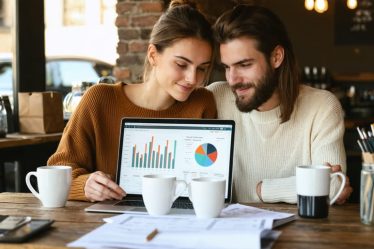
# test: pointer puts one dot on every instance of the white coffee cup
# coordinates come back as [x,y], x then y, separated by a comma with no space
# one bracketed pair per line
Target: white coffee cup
[53,185]
[160,191]
[313,190]
[207,195]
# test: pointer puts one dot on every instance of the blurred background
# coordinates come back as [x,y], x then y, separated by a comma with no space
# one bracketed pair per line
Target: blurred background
[55,44]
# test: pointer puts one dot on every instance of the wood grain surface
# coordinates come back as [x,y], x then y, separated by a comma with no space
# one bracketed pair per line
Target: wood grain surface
[342,229]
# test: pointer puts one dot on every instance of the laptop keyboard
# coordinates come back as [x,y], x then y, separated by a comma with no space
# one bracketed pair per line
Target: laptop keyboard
[135,203]
[140,203]
[184,205]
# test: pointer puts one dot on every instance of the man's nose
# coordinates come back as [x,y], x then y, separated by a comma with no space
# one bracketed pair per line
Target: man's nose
[232,76]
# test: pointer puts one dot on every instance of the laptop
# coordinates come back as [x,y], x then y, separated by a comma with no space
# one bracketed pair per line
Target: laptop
[185,148]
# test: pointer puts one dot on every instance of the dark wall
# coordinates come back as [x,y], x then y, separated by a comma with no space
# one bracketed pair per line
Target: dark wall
[313,39]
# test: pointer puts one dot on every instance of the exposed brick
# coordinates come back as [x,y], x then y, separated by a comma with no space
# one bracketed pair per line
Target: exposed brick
[124,7]
[128,34]
[145,34]
[137,74]
[138,46]
[122,73]
[127,60]
[122,21]
[122,48]
[150,7]
[144,20]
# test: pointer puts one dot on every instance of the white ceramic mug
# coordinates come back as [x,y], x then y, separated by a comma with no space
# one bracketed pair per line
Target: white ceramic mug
[313,190]
[53,185]
[160,191]
[207,195]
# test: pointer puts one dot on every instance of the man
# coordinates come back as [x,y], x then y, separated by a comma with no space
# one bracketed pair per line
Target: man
[280,123]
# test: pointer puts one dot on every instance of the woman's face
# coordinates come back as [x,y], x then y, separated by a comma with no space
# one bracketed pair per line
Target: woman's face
[182,67]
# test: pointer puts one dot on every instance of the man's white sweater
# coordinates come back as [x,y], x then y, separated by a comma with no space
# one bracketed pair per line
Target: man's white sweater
[268,151]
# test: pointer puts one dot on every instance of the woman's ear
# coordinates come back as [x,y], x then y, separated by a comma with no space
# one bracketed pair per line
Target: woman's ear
[277,56]
[152,55]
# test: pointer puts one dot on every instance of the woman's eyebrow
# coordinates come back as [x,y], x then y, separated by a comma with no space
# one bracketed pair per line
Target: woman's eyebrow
[189,61]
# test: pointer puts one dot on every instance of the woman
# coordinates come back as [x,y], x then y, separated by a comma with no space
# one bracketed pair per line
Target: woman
[178,62]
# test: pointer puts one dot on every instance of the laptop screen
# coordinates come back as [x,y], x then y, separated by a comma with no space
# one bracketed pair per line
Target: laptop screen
[185,148]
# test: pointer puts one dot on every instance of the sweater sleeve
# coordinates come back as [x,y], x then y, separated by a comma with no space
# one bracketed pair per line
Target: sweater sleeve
[327,145]
[77,145]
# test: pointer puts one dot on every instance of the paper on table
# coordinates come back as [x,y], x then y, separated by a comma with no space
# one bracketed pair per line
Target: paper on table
[177,232]
[273,219]
[239,226]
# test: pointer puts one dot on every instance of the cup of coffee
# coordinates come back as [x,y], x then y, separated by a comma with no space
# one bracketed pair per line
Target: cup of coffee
[53,185]
[160,191]
[313,189]
[207,195]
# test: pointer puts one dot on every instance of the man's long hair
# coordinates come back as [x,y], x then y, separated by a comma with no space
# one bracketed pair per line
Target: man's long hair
[268,30]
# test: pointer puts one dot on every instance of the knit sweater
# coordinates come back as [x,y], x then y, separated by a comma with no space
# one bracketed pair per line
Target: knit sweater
[91,137]
[268,151]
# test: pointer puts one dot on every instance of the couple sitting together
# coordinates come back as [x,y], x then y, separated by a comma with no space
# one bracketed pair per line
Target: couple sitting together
[280,123]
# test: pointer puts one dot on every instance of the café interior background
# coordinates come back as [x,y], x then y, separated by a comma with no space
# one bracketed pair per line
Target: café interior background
[338,42]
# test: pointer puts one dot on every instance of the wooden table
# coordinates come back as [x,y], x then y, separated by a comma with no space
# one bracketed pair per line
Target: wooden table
[18,140]
[342,229]
[29,151]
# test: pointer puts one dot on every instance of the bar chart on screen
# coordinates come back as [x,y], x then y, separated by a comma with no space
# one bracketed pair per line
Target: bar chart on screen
[154,155]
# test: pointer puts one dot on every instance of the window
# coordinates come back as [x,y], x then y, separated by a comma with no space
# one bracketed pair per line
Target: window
[107,12]
[2,13]
[74,12]
[6,78]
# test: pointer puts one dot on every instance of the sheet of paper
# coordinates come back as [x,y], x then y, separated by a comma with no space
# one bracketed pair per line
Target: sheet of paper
[181,224]
[176,232]
[238,226]
[243,211]
[231,211]
[117,236]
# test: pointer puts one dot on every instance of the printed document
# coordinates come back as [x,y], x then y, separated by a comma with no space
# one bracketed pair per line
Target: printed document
[237,226]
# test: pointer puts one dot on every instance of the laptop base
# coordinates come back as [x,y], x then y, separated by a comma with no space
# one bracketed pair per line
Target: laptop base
[111,207]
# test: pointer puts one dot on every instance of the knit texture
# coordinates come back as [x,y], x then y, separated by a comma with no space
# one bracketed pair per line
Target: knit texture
[91,138]
[268,151]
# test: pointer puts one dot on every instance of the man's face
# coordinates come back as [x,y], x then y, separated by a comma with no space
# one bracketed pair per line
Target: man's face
[249,74]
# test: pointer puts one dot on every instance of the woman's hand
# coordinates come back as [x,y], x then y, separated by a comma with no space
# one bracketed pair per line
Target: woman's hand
[100,187]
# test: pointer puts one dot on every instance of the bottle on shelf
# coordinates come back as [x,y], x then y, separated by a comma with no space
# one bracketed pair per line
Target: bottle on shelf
[307,76]
[9,113]
[3,119]
[316,77]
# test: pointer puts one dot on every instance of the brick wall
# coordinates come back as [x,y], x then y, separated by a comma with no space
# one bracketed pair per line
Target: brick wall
[135,21]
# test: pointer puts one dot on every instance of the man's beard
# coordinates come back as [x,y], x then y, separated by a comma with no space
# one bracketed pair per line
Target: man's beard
[262,92]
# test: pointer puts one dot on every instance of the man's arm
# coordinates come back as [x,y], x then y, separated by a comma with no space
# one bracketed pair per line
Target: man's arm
[326,146]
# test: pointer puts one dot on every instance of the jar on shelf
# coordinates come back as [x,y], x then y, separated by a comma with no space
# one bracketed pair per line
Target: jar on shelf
[73,98]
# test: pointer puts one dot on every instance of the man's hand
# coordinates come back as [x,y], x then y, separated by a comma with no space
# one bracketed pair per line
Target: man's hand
[100,187]
[347,190]
[258,190]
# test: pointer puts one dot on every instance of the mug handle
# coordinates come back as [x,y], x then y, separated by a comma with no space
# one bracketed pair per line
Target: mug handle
[180,182]
[31,188]
[341,186]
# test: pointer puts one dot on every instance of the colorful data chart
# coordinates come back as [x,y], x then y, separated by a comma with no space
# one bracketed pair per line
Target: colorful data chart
[206,154]
[154,156]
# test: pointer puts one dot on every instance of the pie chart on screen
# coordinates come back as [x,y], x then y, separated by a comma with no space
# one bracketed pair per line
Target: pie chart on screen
[206,154]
